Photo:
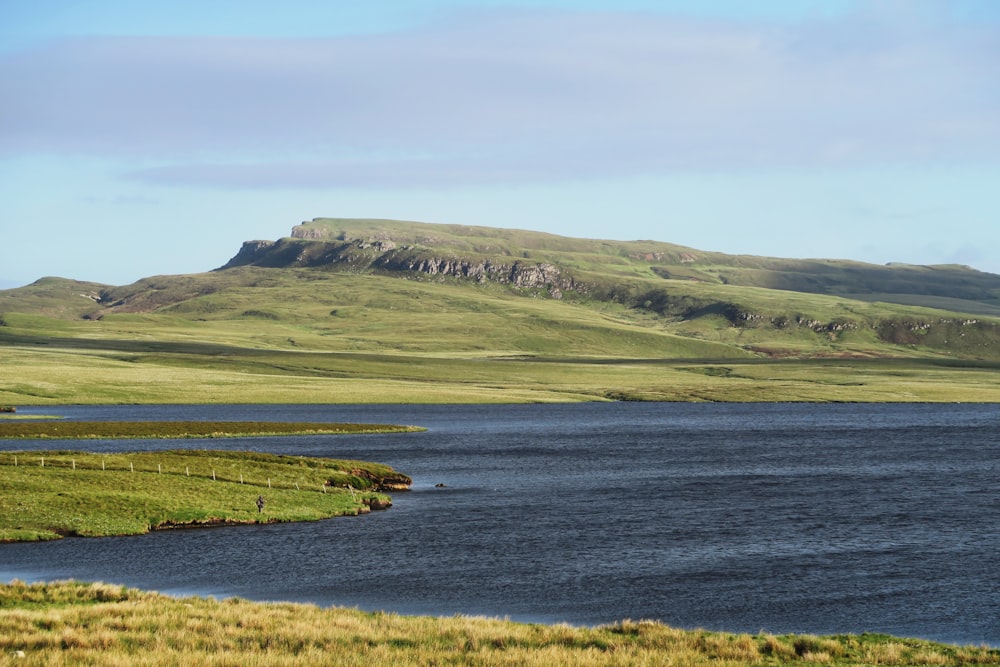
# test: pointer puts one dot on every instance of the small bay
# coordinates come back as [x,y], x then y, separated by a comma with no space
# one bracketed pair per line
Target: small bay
[742,517]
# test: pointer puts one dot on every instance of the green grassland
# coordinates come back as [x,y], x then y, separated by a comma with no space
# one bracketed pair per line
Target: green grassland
[113,626]
[369,311]
[50,494]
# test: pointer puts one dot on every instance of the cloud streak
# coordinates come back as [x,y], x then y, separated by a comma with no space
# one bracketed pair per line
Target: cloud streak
[513,97]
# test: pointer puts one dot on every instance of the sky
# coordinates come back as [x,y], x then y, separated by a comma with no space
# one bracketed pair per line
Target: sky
[141,139]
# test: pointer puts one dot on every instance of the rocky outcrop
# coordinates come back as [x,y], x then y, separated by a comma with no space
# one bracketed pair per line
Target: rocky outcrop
[250,252]
[310,233]
[311,247]
[378,503]
[519,274]
[394,481]
[967,333]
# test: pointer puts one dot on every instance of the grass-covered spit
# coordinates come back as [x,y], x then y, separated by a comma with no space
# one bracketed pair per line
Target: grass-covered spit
[98,624]
[183,429]
[50,494]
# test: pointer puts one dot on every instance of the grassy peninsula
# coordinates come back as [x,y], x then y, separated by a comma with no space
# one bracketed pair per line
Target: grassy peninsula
[82,430]
[51,494]
[112,626]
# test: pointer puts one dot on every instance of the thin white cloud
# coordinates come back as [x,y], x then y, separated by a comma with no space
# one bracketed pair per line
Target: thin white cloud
[514,96]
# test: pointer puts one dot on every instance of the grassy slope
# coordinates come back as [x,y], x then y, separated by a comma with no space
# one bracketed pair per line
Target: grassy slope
[309,335]
[107,625]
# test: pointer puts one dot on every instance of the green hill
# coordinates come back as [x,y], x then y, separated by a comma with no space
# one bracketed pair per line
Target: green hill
[579,265]
[372,310]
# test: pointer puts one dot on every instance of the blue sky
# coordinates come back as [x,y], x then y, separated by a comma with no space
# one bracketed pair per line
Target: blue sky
[139,139]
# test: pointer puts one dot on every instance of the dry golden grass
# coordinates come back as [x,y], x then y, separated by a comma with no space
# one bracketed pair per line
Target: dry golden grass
[99,624]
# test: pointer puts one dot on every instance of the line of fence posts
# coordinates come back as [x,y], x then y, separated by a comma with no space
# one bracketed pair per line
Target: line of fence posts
[187,472]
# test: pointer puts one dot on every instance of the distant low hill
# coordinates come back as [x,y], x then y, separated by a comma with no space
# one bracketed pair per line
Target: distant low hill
[377,285]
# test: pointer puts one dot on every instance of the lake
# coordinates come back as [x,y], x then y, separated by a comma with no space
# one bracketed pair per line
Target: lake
[741,517]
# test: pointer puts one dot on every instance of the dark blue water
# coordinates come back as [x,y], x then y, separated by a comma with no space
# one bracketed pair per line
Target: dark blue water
[782,518]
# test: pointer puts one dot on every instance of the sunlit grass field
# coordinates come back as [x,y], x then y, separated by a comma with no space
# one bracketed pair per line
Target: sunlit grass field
[99,624]
[40,376]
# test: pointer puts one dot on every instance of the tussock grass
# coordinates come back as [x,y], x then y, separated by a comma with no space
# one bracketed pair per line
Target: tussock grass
[102,624]
[51,494]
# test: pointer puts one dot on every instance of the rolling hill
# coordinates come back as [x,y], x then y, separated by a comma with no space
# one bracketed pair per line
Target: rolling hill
[446,306]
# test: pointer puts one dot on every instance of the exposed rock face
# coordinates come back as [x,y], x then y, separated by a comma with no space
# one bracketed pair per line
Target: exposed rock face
[394,482]
[250,252]
[973,333]
[519,274]
[310,233]
[313,247]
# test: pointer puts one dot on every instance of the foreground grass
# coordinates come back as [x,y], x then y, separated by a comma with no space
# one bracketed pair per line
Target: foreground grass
[99,624]
[51,494]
